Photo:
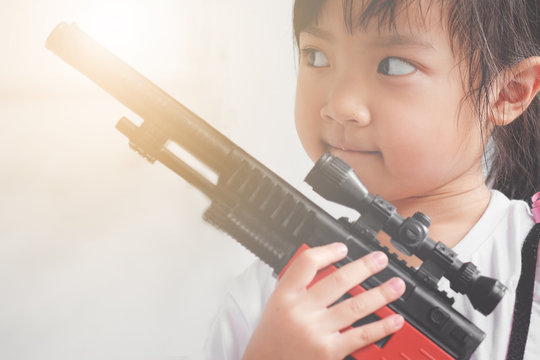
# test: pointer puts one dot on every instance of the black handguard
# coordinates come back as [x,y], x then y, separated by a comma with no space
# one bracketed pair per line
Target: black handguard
[274,220]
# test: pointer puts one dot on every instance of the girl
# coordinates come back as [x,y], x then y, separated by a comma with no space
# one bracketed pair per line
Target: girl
[414,95]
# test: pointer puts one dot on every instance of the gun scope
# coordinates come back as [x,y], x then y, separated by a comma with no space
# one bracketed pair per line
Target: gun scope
[336,181]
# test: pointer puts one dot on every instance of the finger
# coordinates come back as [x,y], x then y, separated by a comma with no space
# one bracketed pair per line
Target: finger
[357,338]
[328,290]
[304,268]
[357,307]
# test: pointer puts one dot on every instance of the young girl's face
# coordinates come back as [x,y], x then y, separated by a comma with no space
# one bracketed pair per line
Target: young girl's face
[390,103]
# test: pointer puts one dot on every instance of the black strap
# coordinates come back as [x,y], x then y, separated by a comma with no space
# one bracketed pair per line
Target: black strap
[524,296]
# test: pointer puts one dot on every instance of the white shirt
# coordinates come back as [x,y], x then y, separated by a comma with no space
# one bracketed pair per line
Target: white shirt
[493,245]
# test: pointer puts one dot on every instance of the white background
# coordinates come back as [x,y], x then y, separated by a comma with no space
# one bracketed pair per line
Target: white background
[103,255]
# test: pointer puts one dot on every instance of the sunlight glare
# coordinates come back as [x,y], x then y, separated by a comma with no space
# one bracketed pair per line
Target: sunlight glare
[127,28]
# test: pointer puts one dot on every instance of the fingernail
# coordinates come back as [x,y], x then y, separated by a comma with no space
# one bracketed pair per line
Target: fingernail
[397,320]
[380,258]
[397,284]
[341,248]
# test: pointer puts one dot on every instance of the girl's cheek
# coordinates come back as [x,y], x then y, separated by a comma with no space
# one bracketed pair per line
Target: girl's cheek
[308,122]
[308,136]
[311,143]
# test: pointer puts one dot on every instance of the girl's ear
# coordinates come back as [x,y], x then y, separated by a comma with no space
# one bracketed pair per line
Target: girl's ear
[514,90]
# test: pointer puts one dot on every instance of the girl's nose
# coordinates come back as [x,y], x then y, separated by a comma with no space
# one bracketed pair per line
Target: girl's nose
[346,103]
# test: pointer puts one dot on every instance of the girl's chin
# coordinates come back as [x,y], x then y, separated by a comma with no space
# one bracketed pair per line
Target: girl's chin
[369,167]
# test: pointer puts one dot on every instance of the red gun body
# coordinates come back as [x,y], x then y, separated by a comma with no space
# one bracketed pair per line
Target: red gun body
[406,344]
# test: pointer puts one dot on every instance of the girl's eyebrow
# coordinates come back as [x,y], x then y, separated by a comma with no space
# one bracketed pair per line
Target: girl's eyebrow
[319,33]
[402,40]
[393,39]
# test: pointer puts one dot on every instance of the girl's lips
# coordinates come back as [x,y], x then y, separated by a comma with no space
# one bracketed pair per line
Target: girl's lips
[334,149]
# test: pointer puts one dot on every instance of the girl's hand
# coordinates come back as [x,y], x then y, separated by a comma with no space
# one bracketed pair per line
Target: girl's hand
[298,323]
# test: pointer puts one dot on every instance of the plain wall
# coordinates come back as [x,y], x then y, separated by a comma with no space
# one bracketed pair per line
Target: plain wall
[103,255]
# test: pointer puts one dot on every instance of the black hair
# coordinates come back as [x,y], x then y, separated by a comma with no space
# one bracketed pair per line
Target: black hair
[493,36]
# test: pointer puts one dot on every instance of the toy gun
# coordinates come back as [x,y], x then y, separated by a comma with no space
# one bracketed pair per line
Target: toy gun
[275,221]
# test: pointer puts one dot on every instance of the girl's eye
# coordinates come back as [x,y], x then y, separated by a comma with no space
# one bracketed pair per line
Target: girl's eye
[395,66]
[315,58]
